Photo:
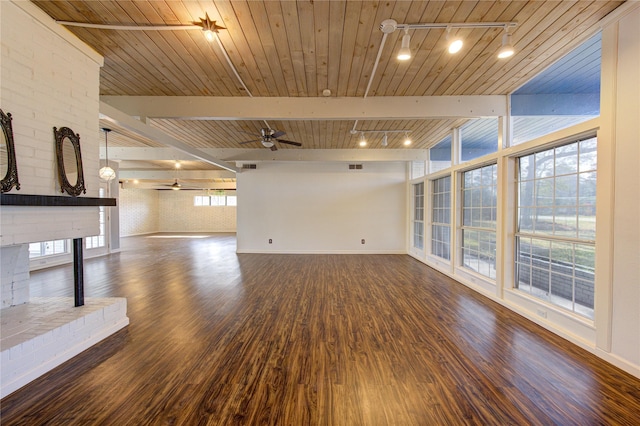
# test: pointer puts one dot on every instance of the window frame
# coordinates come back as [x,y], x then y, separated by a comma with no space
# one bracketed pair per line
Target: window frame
[433,221]
[461,227]
[552,238]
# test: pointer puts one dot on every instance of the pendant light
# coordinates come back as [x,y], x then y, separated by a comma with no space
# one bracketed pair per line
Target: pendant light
[106,173]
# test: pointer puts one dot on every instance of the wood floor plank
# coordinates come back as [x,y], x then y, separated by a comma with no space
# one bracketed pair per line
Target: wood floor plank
[219,338]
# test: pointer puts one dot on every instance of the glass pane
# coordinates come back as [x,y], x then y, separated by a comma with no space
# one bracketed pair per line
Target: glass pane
[544,166]
[544,192]
[567,159]
[478,137]
[587,189]
[566,222]
[587,223]
[588,155]
[566,190]
[440,155]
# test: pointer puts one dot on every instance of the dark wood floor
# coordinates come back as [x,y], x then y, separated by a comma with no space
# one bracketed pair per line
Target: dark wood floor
[218,338]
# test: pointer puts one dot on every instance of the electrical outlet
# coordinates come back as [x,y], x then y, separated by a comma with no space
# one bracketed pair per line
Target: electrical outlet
[270,241]
[362,241]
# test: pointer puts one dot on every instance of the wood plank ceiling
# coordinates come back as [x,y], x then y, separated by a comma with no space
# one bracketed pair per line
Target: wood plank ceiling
[299,48]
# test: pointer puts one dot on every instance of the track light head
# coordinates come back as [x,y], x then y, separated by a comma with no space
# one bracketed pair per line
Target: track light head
[407,140]
[455,43]
[363,141]
[507,48]
[405,51]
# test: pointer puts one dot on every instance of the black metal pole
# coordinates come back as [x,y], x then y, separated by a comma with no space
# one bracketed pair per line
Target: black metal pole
[78,272]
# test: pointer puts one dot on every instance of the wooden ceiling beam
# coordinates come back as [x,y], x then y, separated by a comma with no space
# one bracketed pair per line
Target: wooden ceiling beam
[119,118]
[246,154]
[312,108]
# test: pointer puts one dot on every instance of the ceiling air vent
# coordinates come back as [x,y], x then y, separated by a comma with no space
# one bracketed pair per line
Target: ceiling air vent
[355,166]
[249,166]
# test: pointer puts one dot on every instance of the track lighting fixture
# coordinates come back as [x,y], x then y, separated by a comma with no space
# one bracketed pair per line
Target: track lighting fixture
[405,51]
[507,48]
[389,26]
[106,173]
[385,136]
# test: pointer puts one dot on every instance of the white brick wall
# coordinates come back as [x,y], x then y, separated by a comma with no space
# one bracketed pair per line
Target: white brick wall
[14,269]
[144,211]
[49,79]
[46,332]
[178,214]
[138,211]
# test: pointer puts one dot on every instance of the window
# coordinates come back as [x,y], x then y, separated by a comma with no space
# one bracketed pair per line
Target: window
[565,94]
[555,239]
[441,217]
[98,240]
[215,200]
[479,198]
[418,215]
[440,155]
[49,248]
[478,137]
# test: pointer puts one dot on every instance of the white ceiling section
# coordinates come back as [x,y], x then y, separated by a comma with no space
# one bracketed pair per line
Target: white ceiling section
[314,69]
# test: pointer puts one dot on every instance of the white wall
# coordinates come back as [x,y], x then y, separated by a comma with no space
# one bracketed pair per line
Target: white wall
[48,78]
[178,214]
[138,211]
[625,320]
[316,207]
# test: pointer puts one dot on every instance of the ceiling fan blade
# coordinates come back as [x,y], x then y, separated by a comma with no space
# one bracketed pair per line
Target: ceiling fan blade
[278,134]
[274,148]
[289,142]
[253,141]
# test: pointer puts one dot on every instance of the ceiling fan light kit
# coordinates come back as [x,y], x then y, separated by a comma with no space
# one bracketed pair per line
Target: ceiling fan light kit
[268,137]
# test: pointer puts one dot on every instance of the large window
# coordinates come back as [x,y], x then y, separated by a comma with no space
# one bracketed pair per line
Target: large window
[479,197]
[555,240]
[441,217]
[418,215]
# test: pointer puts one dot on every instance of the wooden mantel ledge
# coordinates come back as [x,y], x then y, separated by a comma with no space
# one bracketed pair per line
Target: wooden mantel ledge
[54,201]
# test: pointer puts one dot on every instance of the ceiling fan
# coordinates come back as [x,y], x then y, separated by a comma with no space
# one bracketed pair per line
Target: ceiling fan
[268,137]
[176,185]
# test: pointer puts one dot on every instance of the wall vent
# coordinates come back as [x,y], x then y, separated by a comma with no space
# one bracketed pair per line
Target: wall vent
[249,166]
[355,166]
